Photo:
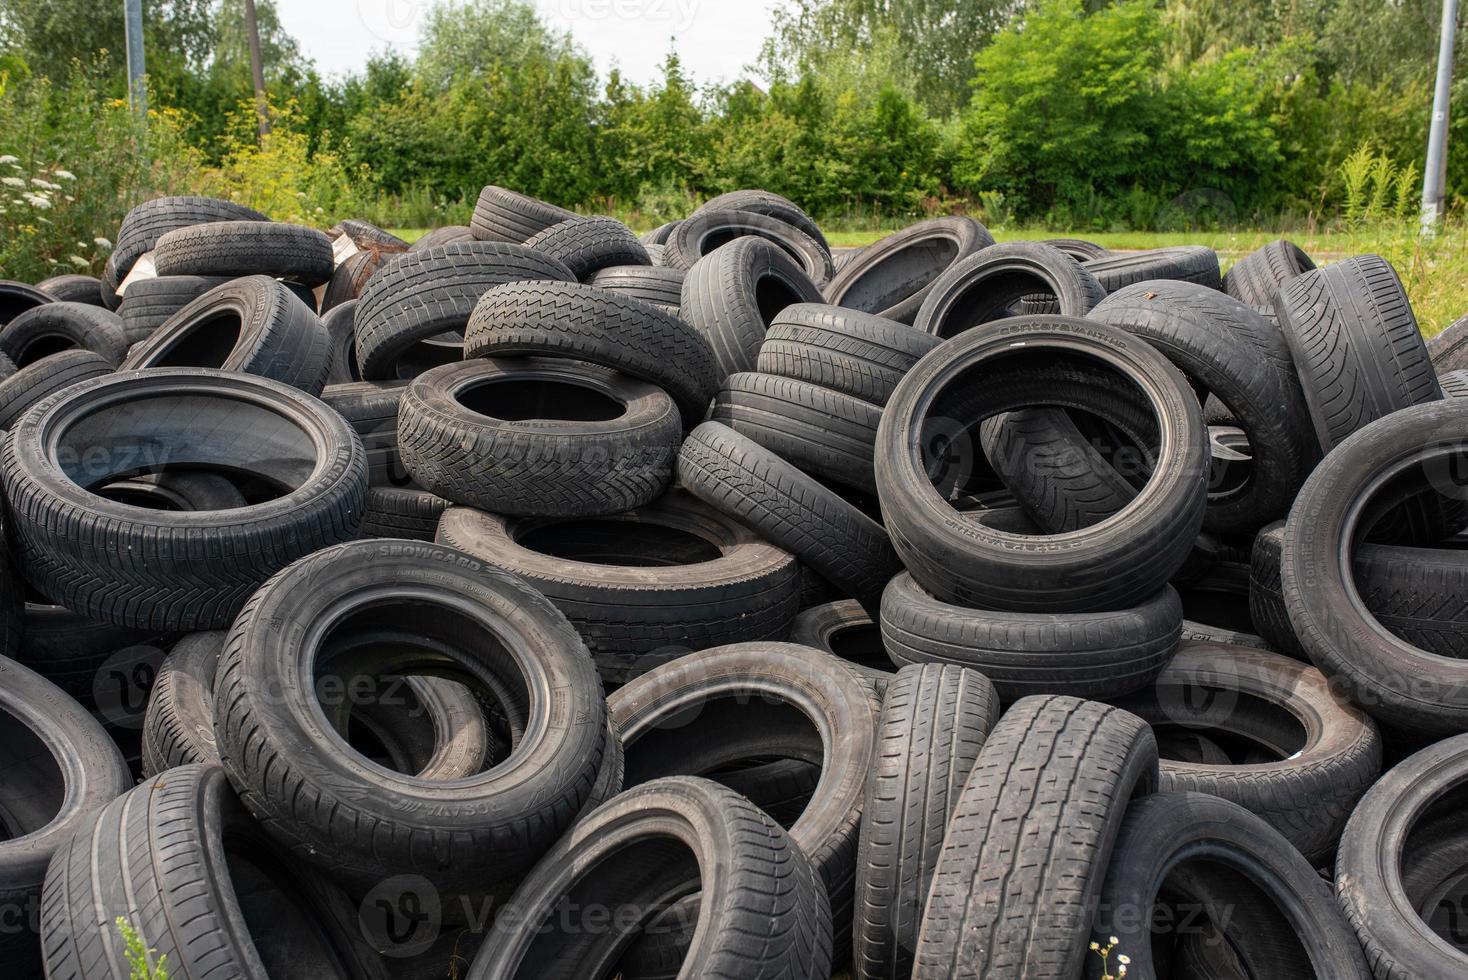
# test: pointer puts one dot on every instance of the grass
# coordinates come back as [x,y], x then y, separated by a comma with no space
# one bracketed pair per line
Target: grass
[1434,271]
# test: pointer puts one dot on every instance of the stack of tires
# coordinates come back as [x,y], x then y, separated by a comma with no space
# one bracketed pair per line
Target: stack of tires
[538,600]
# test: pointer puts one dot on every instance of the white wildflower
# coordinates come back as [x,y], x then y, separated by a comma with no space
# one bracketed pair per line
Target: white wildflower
[77,260]
[101,242]
[7,158]
[38,201]
[12,181]
[45,185]
[64,174]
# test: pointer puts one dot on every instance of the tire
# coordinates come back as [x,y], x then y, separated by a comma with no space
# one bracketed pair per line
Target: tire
[607,446]
[984,287]
[1308,787]
[660,234]
[586,324]
[448,235]
[1281,920]
[588,245]
[1109,566]
[1449,349]
[1095,655]
[340,322]
[150,303]
[822,432]
[73,288]
[28,387]
[60,768]
[1187,263]
[18,297]
[402,512]
[55,327]
[1360,354]
[1041,811]
[708,231]
[249,326]
[658,285]
[1078,248]
[893,277]
[70,650]
[504,216]
[246,248]
[780,701]
[183,490]
[847,351]
[764,913]
[770,205]
[1401,685]
[367,236]
[1399,944]
[1255,280]
[163,570]
[151,220]
[848,632]
[1454,384]
[333,813]
[178,728]
[646,586]
[734,294]
[350,277]
[371,409]
[934,722]
[789,509]
[186,906]
[418,296]
[1206,335]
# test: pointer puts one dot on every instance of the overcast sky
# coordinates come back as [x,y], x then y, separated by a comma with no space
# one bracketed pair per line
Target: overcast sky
[715,38]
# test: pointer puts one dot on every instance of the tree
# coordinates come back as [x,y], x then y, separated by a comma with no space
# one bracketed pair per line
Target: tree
[466,39]
[49,36]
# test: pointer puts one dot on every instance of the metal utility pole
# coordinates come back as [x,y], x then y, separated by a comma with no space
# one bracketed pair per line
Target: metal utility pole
[257,67]
[137,88]
[1435,175]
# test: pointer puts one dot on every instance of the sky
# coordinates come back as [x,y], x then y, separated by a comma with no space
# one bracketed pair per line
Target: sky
[716,39]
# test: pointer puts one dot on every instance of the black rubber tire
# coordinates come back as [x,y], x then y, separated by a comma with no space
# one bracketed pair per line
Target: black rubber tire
[1449,349]
[178,728]
[1216,690]
[447,235]
[732,296]
[166,570]
[54,327]
[252,325]
[1278,918]
[18,297]
[176,490]
[351,277]
[341,326]
[1399,944]
[175,890]
[1401,685]
[847,632]
[588,245]
[894,276]
[70,650]
[150,303]
[638,604]
[73,288]
[367,236]
[1454,384]
[846,351]
[706,232]
[753,485]
[1207,335]
[24,389]
[246,248]
[501,636]
[1095,655]
[402,512]
[763,914]
[1041,811]
[1188,263]
[764,701]
[824,433]
[934,722]
[1356,343]
[1255,279]
[767,203]
[418,296]
[1078,248]
[151,220]
[530,465]
[587,324]
[987,285]
[60,767]
[660,234]
[658,285]
[1108,566]
[371,409]
[502,215]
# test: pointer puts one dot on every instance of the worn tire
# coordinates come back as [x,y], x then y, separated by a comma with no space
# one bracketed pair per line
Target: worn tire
[402,512]
[986,285]
[846,351]
[524,465]
[658,285]
[504,216]
[151,220]
[893,277]
[73,288]
[588,245]
[18,297]
[848,632]
[769,204]
[1188,263]
[447,235]
[246,248]
[150,303]
[707,231]
[371,409]
[1449,349]
[25,388]
[54,327]
[1255,280]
